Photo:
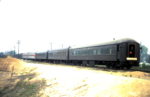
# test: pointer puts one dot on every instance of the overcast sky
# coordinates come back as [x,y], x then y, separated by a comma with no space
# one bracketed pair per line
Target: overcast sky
[38,23]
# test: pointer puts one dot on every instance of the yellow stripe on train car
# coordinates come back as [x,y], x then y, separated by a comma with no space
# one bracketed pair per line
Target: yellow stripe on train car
[131,58]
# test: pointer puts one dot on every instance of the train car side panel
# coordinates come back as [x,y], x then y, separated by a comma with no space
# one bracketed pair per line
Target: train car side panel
[58,55]
[121,52]
[41,56]
[99,53]
[29,56]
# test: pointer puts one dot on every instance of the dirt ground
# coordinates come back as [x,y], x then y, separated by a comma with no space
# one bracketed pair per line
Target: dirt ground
[53,80]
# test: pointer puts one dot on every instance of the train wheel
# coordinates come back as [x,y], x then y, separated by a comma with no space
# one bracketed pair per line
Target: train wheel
[91,63]
[108,66]
[122,67]
[84,63]
[128,67]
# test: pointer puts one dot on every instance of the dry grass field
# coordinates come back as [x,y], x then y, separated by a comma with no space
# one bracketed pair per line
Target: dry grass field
[11,64]
[18,80]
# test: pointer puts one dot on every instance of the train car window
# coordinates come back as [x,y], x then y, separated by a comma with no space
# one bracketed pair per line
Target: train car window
[94,52]
[98,51]
[74,52]
[110,51]
[131,50]
[113,52]
[81,52]
[86,52]
[102,51]
[78,53]
[105,51]
[117,48]
[90,52]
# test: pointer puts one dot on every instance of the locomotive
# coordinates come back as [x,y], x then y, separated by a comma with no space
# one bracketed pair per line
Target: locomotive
[123,53]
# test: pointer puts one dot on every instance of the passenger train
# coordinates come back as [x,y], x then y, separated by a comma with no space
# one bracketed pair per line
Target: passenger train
[123,53]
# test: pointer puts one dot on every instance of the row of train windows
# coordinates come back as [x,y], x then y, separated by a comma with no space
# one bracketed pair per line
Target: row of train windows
[58,54]
[102,51]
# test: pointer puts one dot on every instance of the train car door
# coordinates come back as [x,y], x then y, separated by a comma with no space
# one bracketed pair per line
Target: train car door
[121,52]
[132,54]
[131,50]
[118,52]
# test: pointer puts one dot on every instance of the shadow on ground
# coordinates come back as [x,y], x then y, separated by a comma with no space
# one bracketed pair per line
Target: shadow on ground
[23,85]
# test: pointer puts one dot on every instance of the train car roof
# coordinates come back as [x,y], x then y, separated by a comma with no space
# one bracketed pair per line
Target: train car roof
[29,53]
[41,52]
[63,49]
[109,43]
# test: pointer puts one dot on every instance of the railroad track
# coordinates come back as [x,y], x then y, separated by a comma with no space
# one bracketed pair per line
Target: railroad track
[100,67]
[104,68]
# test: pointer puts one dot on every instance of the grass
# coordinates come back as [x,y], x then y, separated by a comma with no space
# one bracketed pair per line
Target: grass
[23,85]
[10,64]
[23,88]
[24,81]
[143,67]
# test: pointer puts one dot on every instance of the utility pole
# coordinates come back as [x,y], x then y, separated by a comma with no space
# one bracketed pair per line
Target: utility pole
[14,51]
[18,47]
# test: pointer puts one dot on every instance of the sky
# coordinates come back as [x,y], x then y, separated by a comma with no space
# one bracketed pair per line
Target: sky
[38,24]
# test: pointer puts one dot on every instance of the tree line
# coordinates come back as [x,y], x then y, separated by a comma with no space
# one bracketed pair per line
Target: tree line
[144,56]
